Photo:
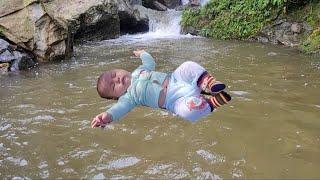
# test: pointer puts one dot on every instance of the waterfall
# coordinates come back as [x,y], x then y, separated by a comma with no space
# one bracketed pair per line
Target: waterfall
[164,23]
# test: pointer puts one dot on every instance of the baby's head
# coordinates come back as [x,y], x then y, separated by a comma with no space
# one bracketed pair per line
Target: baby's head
[113,84]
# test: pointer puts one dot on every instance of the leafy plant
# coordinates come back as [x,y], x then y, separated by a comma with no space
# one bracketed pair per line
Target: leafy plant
[229,19]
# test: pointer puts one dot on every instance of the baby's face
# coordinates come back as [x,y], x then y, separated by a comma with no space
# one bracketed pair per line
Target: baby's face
[117,82]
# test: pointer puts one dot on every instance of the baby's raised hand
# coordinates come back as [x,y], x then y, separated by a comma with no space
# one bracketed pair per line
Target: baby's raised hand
[101,120]
[138,52]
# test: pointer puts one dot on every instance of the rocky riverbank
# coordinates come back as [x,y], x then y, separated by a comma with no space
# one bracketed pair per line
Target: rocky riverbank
[290,23]
[47,30]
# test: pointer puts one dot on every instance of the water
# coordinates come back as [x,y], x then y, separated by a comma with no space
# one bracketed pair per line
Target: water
[269,130]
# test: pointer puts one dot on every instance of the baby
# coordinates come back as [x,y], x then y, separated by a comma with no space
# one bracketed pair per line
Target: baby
[181,92]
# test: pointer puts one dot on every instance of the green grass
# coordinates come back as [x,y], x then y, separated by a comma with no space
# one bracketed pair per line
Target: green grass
[229,19]
[312,44]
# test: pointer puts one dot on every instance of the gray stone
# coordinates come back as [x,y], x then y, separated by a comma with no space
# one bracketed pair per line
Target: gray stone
[6,56]
[296,28]
[136,2]
[262,39]
[194,2]
[22,63]
[48,28]
[3,45]
[171,3]
[159,6]
[307,27]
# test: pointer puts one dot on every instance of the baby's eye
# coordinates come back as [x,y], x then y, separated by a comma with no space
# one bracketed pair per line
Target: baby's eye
[113,74]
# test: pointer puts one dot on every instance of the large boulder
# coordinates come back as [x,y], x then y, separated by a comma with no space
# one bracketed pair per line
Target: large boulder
[48,28]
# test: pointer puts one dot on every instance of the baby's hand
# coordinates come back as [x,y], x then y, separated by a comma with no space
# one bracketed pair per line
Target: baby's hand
[138,52]
[101,120]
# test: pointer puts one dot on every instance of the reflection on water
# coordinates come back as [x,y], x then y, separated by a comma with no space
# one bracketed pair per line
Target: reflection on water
[269,130]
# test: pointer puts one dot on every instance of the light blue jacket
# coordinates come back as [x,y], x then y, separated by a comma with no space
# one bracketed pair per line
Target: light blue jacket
[144,90]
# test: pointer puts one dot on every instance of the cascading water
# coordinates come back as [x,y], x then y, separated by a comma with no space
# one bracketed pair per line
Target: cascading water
[162,24]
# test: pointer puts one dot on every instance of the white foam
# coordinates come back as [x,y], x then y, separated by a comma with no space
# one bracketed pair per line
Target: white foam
[147,137]
[167,171]
[99,176]
[272,54]
[120,177]
[236,173]
[81,154]
[24,106]
[208,175]
[44,174]
[122,163]
[5,127]
[157,169]
[17,161]
[42,165]
[211,157]
[239,93]
[68,170]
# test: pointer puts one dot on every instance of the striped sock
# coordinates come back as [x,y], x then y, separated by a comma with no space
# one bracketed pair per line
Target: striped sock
[218,100]
[209,85]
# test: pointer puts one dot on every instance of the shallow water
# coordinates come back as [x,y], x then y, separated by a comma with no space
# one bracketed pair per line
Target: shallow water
[269,130]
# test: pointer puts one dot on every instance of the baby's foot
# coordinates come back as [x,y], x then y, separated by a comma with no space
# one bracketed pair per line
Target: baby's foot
[209,85]
[218,100]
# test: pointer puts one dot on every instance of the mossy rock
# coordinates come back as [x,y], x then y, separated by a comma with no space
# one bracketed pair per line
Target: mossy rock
[312,44]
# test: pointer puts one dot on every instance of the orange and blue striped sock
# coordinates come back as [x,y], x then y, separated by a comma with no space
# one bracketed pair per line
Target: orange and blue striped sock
[209,85]
[218,100]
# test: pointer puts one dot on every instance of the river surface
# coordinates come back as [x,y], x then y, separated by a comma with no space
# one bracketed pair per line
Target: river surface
[271,128]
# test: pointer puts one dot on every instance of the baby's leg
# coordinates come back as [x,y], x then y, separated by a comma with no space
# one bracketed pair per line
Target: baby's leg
[218,99]
[192,108]
[192,73]
[189,73]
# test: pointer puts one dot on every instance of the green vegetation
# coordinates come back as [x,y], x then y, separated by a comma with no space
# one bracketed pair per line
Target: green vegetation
[311,14]
[228,19]
[242,19]
[312,44]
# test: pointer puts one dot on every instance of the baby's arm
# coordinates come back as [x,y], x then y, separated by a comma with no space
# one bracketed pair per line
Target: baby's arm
[147,60]
[116,112]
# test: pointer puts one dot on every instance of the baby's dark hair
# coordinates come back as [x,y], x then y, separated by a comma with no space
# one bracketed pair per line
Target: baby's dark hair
[101,86]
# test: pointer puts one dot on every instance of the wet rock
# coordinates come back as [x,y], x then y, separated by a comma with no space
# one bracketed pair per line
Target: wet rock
[159,6]
[296,28]
[14,59]
[190,30]
[171,3]
[131,20]
[6,56]
[284,32]
[194,2]
[23,62]
[307,27]
[48,28]
[3,45]
[136,2]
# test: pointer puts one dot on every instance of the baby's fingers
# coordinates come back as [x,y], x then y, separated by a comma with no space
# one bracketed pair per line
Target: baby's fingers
[96,123]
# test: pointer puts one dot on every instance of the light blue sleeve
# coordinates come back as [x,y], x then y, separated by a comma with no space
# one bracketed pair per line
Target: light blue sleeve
[148,62]
[121,108]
